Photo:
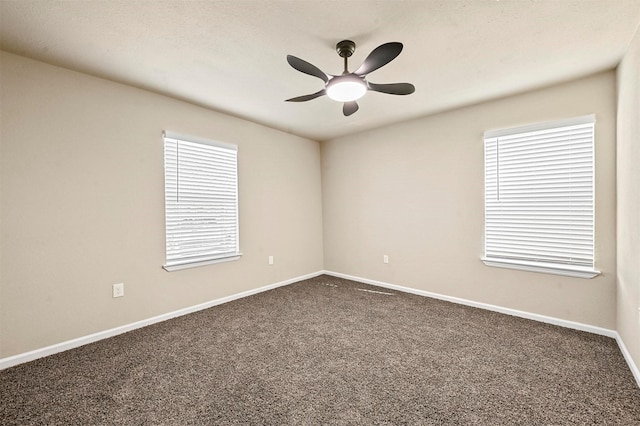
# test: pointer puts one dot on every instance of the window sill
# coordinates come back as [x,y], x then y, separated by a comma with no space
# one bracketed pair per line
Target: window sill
[544,268]
[189,265]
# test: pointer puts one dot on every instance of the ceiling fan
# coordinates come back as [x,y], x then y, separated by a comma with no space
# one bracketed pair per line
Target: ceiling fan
[351,86]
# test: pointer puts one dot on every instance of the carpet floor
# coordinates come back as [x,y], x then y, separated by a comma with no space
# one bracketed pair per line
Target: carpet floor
[333,352]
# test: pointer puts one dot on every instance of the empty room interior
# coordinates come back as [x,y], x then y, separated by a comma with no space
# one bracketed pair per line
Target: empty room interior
[402,256]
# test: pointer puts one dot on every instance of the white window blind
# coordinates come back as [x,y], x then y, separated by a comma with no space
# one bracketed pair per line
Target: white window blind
[539,197]
[201,201]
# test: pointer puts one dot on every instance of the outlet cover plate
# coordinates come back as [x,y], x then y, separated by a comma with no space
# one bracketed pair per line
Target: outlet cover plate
[118,290]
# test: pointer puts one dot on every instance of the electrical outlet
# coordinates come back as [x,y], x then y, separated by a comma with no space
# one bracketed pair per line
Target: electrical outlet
[385,258]
[270,260]
[118,290]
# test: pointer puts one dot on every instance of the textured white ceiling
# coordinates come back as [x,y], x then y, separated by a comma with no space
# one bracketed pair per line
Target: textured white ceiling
[231,55]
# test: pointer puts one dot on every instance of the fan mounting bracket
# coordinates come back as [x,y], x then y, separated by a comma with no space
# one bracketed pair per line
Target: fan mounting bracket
[345,48]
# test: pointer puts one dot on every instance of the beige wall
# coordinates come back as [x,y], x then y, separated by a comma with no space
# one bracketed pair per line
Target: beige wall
[414,191]
[628,170]
[83,205]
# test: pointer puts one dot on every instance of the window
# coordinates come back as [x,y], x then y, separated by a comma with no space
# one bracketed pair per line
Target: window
[539,197]
[201,201]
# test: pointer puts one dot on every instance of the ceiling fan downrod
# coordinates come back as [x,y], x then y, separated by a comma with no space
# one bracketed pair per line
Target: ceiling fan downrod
[345,49]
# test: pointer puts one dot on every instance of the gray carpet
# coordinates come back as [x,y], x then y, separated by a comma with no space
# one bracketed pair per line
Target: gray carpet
[323,351]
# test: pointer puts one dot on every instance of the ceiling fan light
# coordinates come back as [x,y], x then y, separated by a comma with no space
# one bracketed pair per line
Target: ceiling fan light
[346,88]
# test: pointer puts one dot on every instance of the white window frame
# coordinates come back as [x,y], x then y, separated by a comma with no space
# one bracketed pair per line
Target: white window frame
[198,194]
[523,229]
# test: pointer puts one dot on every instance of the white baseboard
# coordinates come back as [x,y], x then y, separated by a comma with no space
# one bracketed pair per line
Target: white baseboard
[514,312]
[627,356]
[74,343]
[81,341]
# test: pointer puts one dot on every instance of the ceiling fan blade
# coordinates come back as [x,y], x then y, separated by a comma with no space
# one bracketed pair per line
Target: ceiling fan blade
[307,68]
[307,97]
[393,88]
[379,57]
[349,108]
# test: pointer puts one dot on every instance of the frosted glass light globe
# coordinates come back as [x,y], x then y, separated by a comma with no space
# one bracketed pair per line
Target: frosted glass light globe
[346,88]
